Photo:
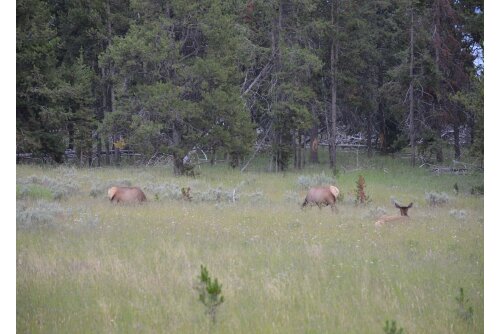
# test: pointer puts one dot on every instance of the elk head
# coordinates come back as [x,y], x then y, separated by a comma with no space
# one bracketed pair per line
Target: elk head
[403,209]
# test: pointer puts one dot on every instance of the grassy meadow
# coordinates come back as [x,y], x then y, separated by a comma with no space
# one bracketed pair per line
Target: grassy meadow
[85,265]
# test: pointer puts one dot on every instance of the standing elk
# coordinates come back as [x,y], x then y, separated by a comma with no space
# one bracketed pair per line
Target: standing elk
[126,195]
[402,217]
[322,196]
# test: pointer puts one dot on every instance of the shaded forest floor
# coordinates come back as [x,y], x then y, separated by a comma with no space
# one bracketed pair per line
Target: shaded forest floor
[86,265]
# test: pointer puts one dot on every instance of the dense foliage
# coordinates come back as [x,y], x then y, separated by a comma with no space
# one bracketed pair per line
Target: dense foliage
[167,77]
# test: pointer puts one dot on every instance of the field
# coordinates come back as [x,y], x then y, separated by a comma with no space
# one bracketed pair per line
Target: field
[85,265]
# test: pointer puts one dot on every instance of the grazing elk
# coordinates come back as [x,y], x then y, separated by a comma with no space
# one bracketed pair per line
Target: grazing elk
[402,217]
[322,196]
[126,195]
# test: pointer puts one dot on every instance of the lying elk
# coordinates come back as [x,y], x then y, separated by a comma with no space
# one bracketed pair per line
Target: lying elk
[322,196]
[126,194]
[404,215]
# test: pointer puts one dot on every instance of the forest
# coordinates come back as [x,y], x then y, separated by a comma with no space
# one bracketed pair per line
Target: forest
[234,123]
[96,79]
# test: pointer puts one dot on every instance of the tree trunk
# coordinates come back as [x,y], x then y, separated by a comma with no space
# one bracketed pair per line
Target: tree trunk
[303,150]
[437,25]
[98,150]
[212,157]
[299,151]
[456,140]
[472,122]
[178,164]
[109,90]
[278,134]
[334,49]
[412,103]
[313,157]
[71,135]
[117,155]
[295,151]
[369,134]
[108,152]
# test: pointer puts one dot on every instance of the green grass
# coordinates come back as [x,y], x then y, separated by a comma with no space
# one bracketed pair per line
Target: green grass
[34,191]
[125,269]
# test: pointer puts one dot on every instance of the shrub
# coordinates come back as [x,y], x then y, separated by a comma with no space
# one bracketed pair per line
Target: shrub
[87,219]
[477,190]
[255,197]
[436,199]
[161,191]
[458,214]
[37,187]
[33,191]
[40,215]
[377,212]
[217,195]
[308,181]
[293,197]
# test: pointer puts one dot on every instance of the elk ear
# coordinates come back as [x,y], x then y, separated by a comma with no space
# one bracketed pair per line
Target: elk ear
[397,205]
[410,205]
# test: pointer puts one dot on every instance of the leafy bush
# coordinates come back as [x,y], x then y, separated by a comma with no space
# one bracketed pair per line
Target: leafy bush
[436,199]
[308,181]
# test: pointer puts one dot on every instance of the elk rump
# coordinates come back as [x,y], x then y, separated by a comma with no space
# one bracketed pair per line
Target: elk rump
[126,195]
[322,196]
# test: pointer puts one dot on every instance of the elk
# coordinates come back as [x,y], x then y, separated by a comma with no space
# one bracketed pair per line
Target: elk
[322,196]
[402,217]
[126,195]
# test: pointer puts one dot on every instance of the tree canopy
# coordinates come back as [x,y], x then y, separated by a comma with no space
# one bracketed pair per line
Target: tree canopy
[167,77]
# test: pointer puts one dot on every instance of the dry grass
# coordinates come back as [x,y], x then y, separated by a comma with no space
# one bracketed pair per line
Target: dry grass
[114,268]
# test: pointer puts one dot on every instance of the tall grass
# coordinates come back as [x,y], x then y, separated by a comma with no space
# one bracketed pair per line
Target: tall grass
[110,268]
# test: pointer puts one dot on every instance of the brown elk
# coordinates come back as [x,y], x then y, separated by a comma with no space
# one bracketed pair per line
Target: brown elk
[322,196]
[126,195]
[402,217]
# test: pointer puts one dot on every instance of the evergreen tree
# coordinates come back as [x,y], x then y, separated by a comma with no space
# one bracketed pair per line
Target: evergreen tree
[39,121]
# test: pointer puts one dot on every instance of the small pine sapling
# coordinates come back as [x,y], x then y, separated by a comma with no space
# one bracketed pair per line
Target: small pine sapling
[464,311]
[209,293]
[392,328]
[186,194]
[361,197]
